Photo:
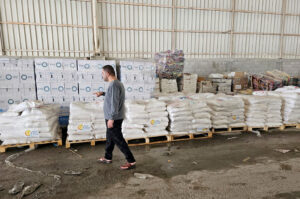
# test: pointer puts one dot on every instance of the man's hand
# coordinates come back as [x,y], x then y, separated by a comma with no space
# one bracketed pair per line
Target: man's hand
[110,124]
[98,94]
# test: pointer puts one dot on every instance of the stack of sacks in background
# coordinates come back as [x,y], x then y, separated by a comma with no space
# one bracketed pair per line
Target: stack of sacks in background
[17,82]
[256,110]
[291,104]
[223,85]
[181,117]
[90,79]
[56,81]
[86,121]
[136,119]
[30,121]
[169,97]
[227,111]
[138,79]
[202,114]
[158,118]
[190,83]
[201,111]
[274,103]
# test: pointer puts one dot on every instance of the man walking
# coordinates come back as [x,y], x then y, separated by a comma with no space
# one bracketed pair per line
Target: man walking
[114,111]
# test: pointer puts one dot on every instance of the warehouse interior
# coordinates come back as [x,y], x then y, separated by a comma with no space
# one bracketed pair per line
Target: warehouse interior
[211,109]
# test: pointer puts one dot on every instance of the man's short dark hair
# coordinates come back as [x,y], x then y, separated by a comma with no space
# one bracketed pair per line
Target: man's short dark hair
[109,69]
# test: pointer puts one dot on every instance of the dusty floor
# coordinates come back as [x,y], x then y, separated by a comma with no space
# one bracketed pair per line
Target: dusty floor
[246,166]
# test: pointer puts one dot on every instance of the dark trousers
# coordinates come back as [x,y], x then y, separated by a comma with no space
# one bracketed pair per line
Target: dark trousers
[114,136]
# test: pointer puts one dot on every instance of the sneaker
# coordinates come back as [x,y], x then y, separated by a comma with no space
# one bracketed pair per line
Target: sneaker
[128,166]
[104,160]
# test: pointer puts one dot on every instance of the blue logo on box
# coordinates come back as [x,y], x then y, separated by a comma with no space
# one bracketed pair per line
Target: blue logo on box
[129,67]
[72,65]
[141,89]
[86,66]
[8,76]
[129,89]
[58,65]
[44,64]
[23,77]
[100,66]
[60,88]
[88,89]
[46,88]
[10,101]
[101,89]
[74,88]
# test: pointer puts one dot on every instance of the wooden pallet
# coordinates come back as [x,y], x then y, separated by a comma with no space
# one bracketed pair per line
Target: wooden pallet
[229,130]
[181,137]
[253,128]
[274,127]
[191,136]
[31,145]
[202,135]
[148,140]
[297,126]
[93,142]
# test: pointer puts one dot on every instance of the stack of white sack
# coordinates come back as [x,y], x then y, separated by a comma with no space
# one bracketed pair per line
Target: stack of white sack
[256,110]
[199,96]
[227,111]
[136,119]
[158,118]
[274,104]
[30,121]
[291,104]
[166,97]
[86,121]
[201,115]
[181,117]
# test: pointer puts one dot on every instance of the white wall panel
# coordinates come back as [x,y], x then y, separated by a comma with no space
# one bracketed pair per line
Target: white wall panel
[140,28]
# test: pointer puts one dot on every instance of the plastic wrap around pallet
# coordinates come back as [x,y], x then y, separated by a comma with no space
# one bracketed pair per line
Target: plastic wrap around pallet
[86,121]
[29,122]
[170,64]
[227,111]
[136,119]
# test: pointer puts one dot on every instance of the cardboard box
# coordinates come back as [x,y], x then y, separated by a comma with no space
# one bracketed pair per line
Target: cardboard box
[71,88]
[10,76]
[57,89]
[98,87]
[26,76]
[240,81]
[69,65]
[85,77]
[41,64]
[43,89]
[85,89]
[69,76]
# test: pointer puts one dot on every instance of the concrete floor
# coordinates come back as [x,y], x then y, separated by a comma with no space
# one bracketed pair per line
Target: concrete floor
[236,166]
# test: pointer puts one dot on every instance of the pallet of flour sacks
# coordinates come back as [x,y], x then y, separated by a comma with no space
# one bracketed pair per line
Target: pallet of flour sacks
[29,123]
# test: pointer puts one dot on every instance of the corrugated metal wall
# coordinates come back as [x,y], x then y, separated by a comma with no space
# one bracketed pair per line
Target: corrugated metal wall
[139,28]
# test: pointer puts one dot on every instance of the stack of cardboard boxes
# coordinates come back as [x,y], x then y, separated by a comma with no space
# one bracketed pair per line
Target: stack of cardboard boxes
[138,79]
[17,82]
[56,81]
[90,78]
